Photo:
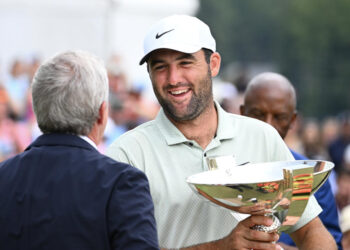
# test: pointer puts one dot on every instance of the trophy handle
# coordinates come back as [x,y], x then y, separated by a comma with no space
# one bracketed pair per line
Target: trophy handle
[219,203]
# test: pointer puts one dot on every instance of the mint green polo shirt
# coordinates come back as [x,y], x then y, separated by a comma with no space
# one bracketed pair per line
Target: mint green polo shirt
[160,150]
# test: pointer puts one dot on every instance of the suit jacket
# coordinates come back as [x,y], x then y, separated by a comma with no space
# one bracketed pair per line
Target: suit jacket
[329,215]
[61,193]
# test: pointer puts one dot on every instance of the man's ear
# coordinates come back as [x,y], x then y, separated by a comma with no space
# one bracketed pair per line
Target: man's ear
[242,109]
[102,112]
[215,61]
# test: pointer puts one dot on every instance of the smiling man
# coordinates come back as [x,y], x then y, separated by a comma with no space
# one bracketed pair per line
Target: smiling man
[181,60]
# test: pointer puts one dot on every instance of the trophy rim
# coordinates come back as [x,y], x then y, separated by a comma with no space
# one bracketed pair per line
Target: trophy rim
[270,166]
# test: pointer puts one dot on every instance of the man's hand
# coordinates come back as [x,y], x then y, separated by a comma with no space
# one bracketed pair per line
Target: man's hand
[244,237]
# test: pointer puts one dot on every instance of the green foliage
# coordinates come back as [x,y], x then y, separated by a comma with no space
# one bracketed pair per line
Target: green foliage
[309,41]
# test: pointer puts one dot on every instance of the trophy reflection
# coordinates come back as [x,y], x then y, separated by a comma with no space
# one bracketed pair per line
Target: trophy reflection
[280,190]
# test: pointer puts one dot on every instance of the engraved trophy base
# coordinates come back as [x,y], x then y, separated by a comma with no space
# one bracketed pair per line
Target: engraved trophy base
[276,225]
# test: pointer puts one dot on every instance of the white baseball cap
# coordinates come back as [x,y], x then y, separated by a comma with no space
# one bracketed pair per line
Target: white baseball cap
[182,33]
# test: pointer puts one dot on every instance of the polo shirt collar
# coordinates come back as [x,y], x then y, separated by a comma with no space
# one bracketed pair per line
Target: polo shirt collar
[227,127]
[172,135]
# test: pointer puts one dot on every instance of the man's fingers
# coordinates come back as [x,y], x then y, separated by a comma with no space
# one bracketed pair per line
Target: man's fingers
[257,220]
[263,245]
[244,237]
[254,235]
[253,239]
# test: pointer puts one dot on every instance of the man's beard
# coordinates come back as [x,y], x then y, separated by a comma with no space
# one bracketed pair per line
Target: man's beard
[198,103]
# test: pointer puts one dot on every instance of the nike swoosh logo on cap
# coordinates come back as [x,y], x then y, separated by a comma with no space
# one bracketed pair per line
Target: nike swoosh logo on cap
[161,34]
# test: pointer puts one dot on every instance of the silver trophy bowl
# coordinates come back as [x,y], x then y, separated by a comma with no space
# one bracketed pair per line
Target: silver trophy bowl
[280,190]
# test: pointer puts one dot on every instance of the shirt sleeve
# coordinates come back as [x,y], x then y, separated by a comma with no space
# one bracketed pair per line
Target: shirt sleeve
[127,150]
[312,210]
[131,213]
[329,215]
[117,153]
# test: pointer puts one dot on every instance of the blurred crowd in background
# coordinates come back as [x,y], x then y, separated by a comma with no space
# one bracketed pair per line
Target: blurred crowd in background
[326,139]
[18,128]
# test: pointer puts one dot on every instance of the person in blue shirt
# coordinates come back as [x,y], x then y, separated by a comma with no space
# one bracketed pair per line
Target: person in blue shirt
[270,97]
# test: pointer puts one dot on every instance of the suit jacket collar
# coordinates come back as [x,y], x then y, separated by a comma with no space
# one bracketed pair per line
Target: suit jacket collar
[57,139]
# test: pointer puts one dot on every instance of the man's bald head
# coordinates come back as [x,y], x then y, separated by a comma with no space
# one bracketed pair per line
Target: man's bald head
[270,97]
[270,81]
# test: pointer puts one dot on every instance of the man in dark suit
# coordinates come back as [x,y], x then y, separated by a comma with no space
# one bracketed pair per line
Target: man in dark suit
[61,193]
[270,97]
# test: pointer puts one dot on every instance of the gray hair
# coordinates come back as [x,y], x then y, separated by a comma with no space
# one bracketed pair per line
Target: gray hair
[68,91]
